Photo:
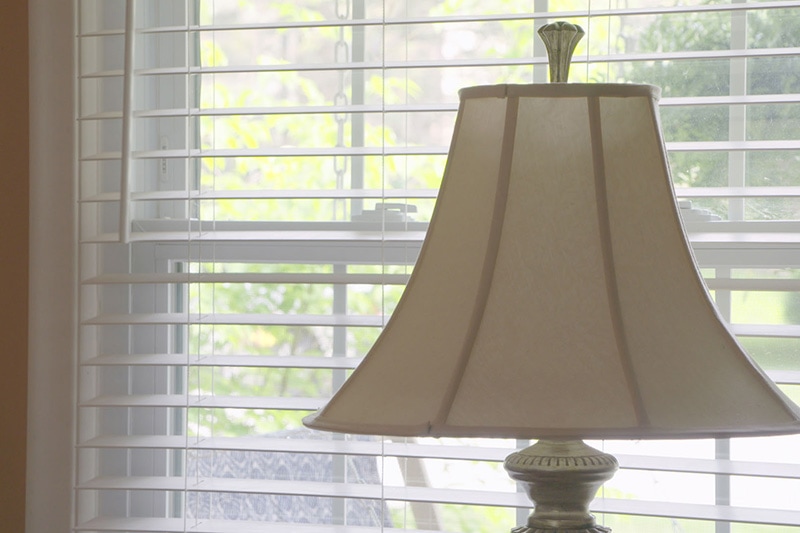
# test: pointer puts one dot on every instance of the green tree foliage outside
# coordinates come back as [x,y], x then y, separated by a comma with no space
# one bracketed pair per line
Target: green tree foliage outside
[712,77]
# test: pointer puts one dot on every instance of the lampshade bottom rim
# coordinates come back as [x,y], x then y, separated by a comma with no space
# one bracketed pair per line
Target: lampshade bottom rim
[318,421]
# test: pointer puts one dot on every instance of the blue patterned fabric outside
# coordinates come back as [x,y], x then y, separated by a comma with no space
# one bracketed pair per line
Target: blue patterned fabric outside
[282,508]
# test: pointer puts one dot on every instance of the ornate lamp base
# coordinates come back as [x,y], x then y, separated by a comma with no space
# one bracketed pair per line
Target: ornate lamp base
[526,529]
[561,478]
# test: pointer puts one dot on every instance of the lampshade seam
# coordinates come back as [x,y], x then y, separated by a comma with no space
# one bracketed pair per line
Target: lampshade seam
[607,250]
[490,259]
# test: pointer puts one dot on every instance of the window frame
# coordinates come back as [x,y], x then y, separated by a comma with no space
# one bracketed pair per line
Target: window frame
[52,295]
[53,240]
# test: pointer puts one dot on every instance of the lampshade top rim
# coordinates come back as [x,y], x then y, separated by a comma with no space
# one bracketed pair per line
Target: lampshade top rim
[563,90]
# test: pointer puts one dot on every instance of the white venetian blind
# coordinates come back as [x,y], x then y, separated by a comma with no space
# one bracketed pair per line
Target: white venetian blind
[255,180]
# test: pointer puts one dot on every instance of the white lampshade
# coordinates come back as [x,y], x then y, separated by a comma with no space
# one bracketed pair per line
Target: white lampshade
[555,295]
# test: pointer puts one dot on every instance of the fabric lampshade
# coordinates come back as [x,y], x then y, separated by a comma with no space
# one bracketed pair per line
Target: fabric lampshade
[555,295]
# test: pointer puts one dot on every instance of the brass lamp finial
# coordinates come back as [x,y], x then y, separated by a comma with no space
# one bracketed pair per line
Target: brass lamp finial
[560,39]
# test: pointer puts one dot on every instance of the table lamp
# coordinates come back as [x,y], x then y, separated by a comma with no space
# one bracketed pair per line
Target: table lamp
[556,298]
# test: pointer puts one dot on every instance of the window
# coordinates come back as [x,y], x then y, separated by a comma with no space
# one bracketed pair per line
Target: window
[255,180]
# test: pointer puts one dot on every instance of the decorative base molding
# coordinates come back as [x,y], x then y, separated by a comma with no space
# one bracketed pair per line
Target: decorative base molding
[561,478]
[594,529]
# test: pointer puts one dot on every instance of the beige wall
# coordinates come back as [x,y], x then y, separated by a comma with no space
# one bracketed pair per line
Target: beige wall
[14,179]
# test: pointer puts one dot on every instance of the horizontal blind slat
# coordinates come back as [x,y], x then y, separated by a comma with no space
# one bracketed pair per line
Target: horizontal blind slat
[176,525]
[732,146]
[750,284]
[449,64]
[673,146]
[288,151]
[712,248]
[681,192]
[406,450]
[446,496]
[699,239]
[481,18]
[345,194]
[679,55]
[250,277]
[766,330]
[348,230]
[748,330]
[206,402]
[252,444]
[785,377]
[410,108]
[477,18]
[236,485]
[720,513]
[312,238]
[134,319]
[738,192]
[270,152]
[230,361]
[444,107]
[260,361]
